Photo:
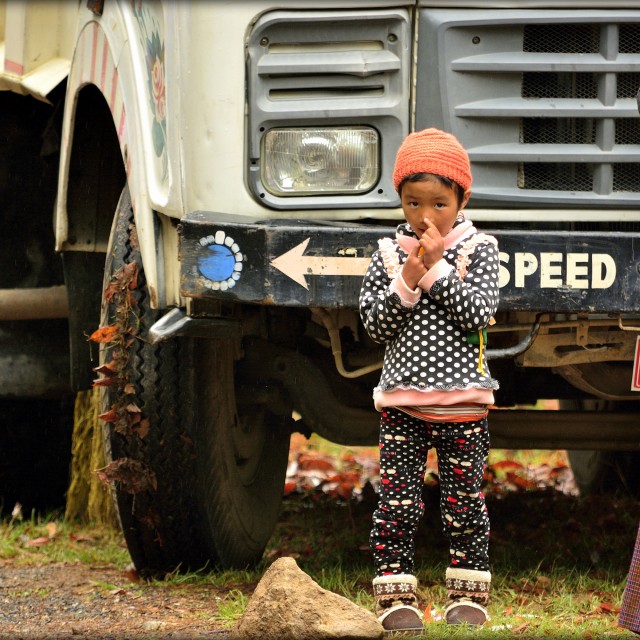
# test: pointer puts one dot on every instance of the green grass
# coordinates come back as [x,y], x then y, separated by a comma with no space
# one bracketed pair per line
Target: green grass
[44,540]
[231,606]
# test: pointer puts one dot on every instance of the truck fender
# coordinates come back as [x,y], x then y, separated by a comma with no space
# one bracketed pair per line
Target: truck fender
[109,56]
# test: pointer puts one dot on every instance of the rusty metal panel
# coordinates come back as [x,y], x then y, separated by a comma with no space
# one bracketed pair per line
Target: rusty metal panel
[555,350]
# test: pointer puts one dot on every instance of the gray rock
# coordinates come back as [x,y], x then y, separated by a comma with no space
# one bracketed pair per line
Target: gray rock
[288,605]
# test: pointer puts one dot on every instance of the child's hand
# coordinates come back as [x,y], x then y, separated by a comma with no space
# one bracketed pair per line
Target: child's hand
[413,268]
[432,245]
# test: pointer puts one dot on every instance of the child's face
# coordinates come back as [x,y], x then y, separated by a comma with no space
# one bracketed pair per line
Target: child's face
[433,200]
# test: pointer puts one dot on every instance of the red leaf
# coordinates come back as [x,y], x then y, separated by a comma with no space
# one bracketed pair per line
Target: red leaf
[38,542]
[520,628]
[107,369]
[607,607]
[130,271]
[521,483]
[131,574]
[308,461]
[105,382]
[111,291]
[507,464]
[77,537]
[104,334]
[109,416]
[142,429]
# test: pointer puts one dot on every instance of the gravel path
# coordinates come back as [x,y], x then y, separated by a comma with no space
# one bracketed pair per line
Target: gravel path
[77,601]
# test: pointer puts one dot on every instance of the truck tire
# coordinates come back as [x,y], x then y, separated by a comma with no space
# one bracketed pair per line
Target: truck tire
[198,481]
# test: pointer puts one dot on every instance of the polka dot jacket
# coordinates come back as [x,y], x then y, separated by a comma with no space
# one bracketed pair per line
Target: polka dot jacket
[430,333]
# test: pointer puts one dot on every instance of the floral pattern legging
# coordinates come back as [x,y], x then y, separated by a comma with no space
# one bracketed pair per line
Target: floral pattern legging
[462,449]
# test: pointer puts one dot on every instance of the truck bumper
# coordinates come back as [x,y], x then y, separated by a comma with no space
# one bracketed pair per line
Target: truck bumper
[305,264]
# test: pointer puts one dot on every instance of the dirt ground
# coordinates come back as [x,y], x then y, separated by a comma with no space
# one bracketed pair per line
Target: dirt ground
[81,601]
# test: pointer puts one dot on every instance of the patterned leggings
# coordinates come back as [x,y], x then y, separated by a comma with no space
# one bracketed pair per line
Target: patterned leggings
[462,450]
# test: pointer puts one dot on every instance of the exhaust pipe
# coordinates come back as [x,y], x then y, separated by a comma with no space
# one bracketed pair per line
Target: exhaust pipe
[42,303]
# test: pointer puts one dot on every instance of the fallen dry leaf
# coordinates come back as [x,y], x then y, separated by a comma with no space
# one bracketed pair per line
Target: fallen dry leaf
[37,542]
[104,334]
[142,428]
[132,475]
[520,628]
[316,462]
[109,416]
[507,464]
[76,537]
[131,574]
[107,369]
[105,382]
[607,608]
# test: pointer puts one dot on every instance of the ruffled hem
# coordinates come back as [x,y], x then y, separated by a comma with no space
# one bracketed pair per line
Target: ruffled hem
[383,388]
[407,397]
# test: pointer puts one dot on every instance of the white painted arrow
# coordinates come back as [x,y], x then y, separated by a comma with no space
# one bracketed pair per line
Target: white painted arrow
[295,265]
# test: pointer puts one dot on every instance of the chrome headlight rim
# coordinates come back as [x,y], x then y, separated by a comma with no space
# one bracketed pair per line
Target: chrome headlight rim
[318,161]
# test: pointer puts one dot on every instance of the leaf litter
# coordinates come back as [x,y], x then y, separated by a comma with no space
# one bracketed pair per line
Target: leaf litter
[344,475]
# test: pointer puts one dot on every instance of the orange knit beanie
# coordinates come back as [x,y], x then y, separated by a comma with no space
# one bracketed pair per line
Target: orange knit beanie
[432,151]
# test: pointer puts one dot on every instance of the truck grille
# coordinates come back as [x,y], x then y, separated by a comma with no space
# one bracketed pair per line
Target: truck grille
[544,101]
[343,68]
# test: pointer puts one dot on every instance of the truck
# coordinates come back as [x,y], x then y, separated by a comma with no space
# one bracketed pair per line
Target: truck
[214,178]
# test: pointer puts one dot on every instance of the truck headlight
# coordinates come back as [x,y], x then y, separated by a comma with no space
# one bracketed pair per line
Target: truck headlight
[319,160]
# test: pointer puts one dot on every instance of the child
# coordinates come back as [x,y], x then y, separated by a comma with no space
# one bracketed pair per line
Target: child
[427,295]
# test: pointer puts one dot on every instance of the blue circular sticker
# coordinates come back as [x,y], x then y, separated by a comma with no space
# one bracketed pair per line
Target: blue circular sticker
[221,262]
